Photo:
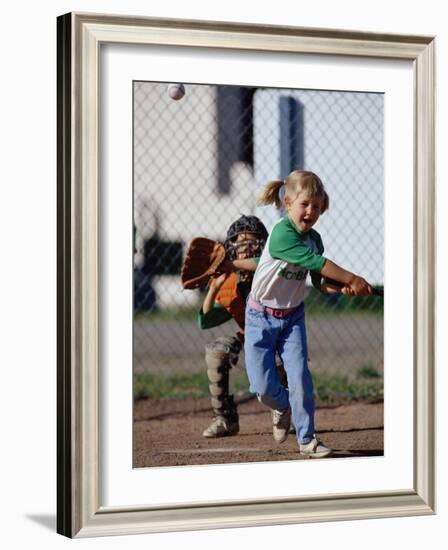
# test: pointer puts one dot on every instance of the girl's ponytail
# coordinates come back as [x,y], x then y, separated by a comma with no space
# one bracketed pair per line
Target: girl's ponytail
[271,193]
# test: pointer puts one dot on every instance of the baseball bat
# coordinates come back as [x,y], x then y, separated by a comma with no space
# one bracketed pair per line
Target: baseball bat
[376,291]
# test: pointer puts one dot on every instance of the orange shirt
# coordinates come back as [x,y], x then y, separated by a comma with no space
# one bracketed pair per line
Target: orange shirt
[229,299]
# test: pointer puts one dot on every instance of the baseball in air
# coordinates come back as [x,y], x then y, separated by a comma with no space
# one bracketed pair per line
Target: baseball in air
[176,91]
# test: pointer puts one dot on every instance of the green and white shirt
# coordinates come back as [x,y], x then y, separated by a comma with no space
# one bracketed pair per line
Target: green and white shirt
[279,281]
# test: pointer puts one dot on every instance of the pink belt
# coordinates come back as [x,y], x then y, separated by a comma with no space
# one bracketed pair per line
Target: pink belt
[279,313]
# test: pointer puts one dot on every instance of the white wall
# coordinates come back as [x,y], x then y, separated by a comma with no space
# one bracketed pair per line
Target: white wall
[28,110]
[176,152]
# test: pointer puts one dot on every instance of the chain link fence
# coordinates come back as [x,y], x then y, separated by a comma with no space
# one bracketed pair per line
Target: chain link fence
[199,164]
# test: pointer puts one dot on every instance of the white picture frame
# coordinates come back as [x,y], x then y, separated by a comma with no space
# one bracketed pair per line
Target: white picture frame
[80,510]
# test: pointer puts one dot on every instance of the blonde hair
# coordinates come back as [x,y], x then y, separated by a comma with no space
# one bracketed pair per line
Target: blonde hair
[297,181]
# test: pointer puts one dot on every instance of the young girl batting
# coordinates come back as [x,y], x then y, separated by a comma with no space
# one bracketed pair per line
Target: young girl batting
[275,319]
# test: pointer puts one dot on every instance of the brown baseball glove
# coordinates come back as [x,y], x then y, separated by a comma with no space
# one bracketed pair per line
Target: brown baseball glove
[202,260]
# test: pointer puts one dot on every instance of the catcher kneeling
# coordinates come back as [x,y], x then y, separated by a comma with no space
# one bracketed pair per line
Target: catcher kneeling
[226,299]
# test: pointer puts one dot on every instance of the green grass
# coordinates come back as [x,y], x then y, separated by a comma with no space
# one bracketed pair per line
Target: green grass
[315,303]
[331,389]
[368,371]
[181,386]
[188,313]
[328,389]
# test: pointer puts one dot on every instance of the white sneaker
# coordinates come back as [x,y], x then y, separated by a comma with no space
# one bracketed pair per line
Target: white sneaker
[315,449]
[281,422]
[221,427]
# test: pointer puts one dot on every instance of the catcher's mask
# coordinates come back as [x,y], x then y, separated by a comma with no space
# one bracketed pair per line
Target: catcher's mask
[252,247]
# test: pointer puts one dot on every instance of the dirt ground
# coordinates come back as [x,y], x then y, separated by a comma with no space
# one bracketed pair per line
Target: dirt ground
[169,433]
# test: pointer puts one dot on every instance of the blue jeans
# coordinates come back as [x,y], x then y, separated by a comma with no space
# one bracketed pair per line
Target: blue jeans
[264,336]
